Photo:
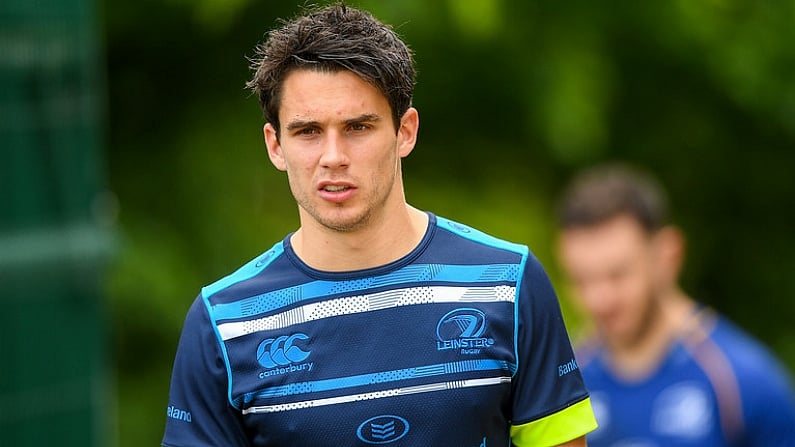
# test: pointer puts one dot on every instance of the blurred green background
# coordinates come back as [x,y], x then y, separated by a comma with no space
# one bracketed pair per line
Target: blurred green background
[134,172]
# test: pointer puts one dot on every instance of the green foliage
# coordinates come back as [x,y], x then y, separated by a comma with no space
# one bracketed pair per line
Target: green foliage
[513,96]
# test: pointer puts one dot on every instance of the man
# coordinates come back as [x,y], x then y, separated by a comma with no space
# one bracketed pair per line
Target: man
[662,370]
[374,322]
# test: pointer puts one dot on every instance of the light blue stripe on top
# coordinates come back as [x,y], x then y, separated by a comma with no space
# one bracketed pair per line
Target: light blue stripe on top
[249,270]
[479,236]
[267,302]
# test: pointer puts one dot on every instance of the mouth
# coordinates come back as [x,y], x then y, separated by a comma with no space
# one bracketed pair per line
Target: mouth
[336,192]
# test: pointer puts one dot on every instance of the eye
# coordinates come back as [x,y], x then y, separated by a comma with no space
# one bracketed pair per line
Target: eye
[307,131]
[359,127]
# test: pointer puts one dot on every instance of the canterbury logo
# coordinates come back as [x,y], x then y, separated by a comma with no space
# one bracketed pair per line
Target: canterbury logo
[281,351]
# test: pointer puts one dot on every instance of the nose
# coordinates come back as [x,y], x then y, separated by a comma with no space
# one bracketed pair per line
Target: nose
[335,151]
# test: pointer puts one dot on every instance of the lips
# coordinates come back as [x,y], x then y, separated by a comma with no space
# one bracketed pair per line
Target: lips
[334,186]
[336,192]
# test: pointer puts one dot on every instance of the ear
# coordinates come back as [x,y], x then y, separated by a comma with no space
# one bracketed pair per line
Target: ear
[407,133]
[274,147]
[669,245]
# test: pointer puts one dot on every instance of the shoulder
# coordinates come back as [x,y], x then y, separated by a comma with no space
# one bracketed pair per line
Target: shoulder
[248,271]
[468,245]
[724,350]
[764,383]
[750,358]
[473,235]
[462,241]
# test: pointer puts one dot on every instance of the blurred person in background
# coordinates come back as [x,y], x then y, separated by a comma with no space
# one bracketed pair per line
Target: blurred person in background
[662,369]
[374,322]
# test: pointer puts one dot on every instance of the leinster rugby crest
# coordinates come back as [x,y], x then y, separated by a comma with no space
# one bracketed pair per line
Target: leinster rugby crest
[463,329]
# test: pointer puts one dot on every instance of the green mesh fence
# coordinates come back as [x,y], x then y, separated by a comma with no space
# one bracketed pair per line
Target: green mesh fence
[54,375]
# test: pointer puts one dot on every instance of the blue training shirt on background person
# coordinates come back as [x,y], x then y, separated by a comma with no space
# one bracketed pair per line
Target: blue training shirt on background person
[716,387]
[664,370]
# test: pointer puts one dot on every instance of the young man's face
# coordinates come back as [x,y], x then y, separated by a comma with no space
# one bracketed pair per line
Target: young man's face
[340,149]
[614,267]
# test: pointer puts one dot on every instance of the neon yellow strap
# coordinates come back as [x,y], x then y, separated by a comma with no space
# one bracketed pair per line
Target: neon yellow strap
[555,429]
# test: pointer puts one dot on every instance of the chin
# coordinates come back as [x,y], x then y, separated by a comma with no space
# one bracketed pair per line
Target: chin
[618,335]
[344,225]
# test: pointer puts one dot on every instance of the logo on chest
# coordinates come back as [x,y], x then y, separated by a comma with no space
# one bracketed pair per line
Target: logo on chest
[683,410]
[463,329]
[283,355]
[382,429]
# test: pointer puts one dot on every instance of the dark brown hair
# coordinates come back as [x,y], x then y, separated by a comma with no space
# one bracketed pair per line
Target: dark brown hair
[332,38]
[603,192]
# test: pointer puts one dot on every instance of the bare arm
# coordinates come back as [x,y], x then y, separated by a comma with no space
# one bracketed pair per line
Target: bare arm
[579,442]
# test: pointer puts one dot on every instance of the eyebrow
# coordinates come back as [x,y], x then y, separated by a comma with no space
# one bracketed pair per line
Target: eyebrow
[292,125]
[367,117]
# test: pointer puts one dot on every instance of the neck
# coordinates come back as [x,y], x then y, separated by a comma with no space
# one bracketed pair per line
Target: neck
[368,247]
[639,358]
